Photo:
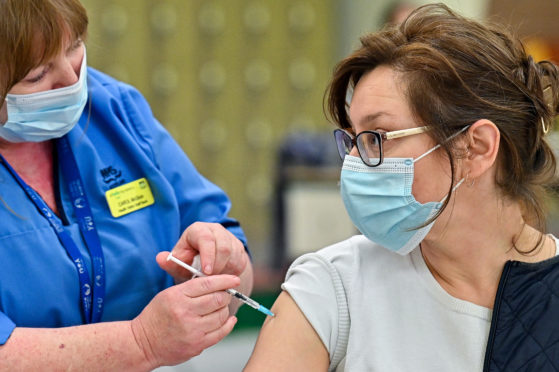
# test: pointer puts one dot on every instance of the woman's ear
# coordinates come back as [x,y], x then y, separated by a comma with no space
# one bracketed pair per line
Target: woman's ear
[483,146]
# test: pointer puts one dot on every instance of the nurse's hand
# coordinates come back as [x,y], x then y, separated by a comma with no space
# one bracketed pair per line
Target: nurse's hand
[183,320]
[220,252]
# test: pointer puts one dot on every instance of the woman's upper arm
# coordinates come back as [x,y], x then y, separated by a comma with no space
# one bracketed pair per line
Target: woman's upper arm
[288,342]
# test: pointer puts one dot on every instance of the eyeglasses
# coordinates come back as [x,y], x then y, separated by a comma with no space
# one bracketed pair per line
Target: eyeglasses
[369,143]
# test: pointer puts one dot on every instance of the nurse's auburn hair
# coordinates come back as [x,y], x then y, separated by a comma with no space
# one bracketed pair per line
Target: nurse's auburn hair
[32,32]
[456,71]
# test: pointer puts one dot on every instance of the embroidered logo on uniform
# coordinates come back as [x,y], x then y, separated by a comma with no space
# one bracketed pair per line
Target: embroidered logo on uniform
[112,176]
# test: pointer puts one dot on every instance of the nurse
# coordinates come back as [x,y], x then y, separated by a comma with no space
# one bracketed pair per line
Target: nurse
[94,192]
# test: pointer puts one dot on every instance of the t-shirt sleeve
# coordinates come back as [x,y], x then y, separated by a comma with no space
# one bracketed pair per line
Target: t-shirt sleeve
[198,198]
[317,288]
[6,328]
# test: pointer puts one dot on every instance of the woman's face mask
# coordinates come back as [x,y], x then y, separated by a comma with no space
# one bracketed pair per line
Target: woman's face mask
[44,115]
[380,203]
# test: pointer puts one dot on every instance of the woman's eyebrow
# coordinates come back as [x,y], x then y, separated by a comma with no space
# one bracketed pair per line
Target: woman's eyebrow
[369,118]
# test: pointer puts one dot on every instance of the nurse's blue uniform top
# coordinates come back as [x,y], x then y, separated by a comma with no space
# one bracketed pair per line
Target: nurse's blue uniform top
[116,141]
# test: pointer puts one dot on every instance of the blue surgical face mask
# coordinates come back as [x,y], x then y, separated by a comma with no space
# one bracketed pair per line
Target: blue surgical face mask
[45,115]
[380,203]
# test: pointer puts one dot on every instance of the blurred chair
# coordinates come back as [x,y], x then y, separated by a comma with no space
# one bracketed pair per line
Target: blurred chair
[309,212]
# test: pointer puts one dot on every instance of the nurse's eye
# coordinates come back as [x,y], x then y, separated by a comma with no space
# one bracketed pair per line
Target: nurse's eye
[37,77]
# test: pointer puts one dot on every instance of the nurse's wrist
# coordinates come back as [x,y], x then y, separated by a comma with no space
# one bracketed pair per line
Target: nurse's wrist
[148,361]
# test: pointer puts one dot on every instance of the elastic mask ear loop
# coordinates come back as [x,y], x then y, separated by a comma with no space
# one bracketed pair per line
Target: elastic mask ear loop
[436,147]
[425,154]
[439,145]
[462,179]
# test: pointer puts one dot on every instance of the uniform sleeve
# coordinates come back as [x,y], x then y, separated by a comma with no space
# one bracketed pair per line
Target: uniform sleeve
[6,328]
[198,198]
[317,288]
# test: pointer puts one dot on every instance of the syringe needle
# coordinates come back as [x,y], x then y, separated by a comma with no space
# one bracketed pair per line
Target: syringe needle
[244,298]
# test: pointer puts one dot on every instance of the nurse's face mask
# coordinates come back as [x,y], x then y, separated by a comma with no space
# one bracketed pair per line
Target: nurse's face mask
[377,192]
[44,115]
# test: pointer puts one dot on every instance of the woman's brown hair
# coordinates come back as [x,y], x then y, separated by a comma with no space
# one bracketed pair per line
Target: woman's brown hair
[456,71]
[32,32]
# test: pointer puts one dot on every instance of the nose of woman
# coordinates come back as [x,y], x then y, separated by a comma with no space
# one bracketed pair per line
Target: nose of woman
[354,151]
[67,71]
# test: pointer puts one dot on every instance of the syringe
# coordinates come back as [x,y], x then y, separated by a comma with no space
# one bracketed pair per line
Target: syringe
[247,300]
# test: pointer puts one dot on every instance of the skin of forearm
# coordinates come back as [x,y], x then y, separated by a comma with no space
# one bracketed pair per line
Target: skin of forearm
[105,346]
[109,346]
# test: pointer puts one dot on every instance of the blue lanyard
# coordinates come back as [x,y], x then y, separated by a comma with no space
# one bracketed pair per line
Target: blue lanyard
[92,297]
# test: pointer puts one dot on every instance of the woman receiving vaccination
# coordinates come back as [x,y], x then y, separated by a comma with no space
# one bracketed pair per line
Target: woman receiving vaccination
[443,127]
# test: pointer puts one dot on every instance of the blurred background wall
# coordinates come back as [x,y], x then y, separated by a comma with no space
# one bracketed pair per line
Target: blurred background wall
[240,85]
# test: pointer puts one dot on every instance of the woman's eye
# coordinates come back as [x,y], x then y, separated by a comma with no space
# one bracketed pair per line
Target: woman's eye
[37,78]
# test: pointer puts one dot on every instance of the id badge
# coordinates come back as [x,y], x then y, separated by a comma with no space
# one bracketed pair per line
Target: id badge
[129,197]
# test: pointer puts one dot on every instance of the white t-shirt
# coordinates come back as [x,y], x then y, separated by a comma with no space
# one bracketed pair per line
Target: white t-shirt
[389,309]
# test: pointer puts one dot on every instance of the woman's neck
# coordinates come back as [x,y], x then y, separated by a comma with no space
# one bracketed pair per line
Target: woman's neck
[33,162]
[466,255]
